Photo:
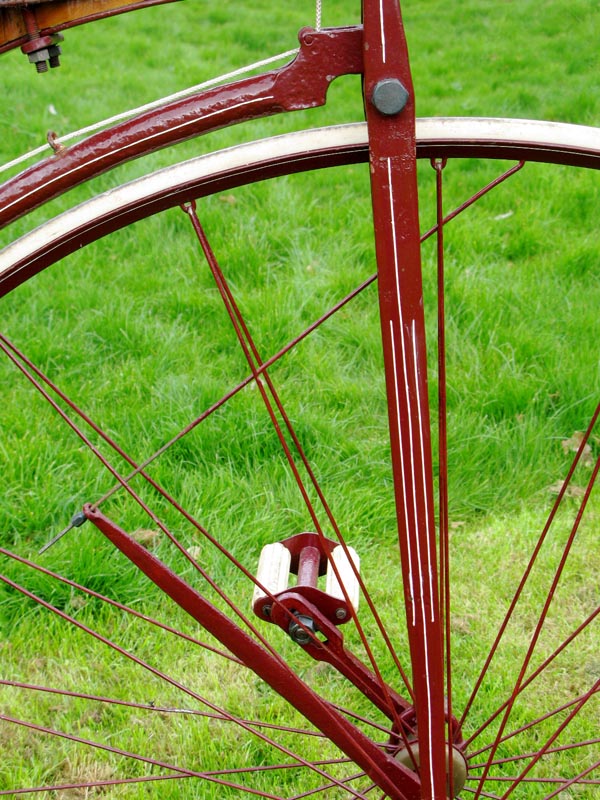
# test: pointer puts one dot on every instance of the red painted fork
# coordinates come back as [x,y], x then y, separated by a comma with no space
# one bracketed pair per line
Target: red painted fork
[393,778]
[389,105]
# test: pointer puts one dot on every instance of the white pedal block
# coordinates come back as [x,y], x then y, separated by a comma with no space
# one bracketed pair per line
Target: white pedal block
[273,570]
[347,569]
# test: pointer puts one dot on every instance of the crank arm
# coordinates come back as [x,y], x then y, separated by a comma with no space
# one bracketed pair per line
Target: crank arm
[332,651]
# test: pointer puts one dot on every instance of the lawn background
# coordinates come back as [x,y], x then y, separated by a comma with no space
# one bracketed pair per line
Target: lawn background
[523,352]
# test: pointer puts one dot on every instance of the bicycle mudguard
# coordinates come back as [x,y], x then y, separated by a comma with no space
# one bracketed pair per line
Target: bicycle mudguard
[301,84]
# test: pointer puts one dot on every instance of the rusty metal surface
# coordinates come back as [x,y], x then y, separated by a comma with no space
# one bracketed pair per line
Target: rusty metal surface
[58,15]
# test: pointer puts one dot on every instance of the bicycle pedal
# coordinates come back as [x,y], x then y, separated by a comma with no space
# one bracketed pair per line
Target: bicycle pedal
[309,557]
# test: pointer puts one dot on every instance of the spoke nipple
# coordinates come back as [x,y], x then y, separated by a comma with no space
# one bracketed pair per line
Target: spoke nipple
[78,519]
[188,207]
[389,96]
[76,522]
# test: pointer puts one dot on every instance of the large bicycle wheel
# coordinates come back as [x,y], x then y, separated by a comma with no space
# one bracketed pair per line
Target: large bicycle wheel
[212,398]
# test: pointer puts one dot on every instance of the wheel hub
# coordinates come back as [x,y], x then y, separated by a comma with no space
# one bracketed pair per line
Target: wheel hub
[410,758]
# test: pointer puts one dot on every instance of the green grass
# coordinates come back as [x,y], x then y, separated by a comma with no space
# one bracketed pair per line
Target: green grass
[133,330]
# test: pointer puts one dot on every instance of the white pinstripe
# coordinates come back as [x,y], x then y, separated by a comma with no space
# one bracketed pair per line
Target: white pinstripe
[419,555]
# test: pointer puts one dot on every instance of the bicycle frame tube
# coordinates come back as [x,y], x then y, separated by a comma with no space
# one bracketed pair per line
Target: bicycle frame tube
[389,105]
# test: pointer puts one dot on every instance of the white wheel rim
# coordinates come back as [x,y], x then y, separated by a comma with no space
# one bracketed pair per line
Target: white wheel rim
[293,147]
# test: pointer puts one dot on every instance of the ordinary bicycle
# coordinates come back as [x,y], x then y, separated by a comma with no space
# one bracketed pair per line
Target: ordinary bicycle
[277,434]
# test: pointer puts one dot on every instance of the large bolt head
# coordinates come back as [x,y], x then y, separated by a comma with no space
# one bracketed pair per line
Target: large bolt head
[389,96]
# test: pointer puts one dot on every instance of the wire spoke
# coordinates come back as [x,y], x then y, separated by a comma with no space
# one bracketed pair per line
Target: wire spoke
[482,793]
[530,724]
[221,593]
[551,739]
[300,337]
[29,370]
[578,780]
[523,756]
[508,705]
[248,726]
[474,198]
[254,360]
[528,570]
[116,604]
[326,787]
[376,726]
[566,782]
[537,673]
[24,368]
[153,708]
[247,380]
[534,640]
[444,535]
[322,517]
[65,787]
[135,756]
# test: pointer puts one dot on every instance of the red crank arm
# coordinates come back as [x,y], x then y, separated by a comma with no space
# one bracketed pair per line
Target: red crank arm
[333,652]
[389,105]
[398,782]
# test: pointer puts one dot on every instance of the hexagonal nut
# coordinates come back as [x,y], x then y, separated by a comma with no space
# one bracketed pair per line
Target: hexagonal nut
[389,96]
[301,628]
[39,55]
